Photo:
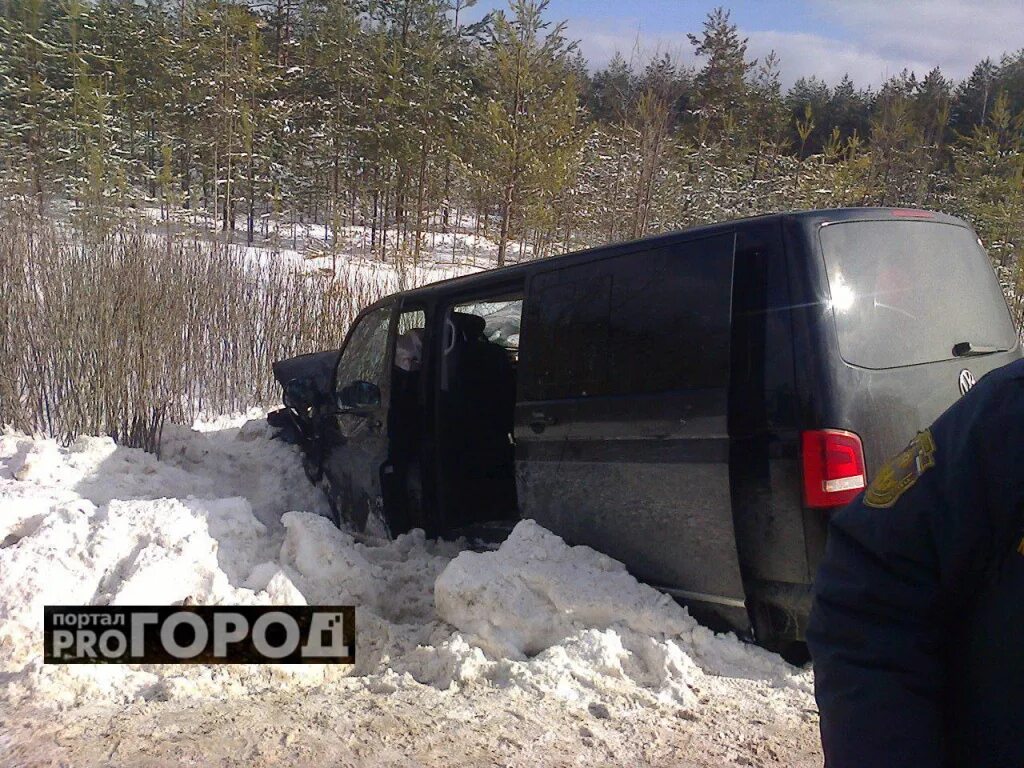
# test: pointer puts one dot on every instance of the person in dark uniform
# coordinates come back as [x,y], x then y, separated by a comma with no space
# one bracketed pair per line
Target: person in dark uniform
[917,626]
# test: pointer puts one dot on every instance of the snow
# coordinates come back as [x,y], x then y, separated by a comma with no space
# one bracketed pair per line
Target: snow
[226,516]
[386,257]
[551,612]
[95,523]
[534,592]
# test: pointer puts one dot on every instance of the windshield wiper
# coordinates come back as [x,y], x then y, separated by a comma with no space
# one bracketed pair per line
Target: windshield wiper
[967,349]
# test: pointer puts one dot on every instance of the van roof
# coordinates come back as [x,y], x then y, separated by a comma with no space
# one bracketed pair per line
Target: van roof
[513,272]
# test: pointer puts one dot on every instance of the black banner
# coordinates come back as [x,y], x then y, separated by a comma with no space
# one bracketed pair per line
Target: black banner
[199,634]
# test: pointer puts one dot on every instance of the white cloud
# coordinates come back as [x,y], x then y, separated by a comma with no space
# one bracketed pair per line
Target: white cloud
[803,55]
[600,39]
[800,54]
[871,40]
[950,33]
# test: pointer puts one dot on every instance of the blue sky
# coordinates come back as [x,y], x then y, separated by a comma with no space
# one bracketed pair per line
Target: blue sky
[869,39]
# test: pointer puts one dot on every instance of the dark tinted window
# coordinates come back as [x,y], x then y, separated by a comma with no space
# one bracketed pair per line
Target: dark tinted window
[648,322]
[761,374]
[906,292]
[567,334]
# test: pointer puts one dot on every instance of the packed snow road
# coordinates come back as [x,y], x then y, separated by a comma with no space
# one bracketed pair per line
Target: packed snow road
[534,653]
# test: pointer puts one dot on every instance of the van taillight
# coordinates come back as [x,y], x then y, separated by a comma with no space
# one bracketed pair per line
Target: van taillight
[834,470]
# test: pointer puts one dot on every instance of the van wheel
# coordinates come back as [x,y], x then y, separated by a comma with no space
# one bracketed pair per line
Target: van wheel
[373,525]
[795,652]
[376,524]
[332,502]
[335,512]
[312,469]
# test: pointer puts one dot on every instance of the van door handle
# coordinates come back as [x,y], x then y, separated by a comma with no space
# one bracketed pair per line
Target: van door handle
[539,421]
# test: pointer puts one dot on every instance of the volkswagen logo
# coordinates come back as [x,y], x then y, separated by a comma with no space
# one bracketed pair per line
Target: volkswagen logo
[966,381]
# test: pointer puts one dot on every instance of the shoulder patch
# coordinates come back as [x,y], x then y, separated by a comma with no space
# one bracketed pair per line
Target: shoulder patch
[900,472]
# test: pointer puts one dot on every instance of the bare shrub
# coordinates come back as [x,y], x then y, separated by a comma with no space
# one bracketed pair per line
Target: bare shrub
[116,334]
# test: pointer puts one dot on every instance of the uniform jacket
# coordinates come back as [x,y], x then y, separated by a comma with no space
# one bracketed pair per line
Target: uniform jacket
[917,628]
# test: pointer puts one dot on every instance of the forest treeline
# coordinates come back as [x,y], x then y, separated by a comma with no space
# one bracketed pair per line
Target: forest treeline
[402,117]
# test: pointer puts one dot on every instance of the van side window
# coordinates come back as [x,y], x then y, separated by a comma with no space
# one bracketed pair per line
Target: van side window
[363,358]
[568,325]
[408,354]
[641,323]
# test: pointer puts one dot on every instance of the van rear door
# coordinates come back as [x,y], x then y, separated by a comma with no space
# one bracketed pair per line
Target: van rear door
[621,418]
[918,316]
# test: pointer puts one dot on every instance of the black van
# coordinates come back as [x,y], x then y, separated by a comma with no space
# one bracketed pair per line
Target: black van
[692,404]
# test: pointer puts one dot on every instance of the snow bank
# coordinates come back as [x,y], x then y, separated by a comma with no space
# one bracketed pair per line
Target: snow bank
[535,591]
[226,516]
[581,615]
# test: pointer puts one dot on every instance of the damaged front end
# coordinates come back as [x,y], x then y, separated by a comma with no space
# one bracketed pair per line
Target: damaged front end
[306,382]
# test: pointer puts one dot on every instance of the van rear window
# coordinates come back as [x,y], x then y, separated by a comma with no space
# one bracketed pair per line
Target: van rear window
[907,292]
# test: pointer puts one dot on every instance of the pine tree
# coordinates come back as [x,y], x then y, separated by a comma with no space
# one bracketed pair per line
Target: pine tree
[1010,80]
[766,109]
[721,83]
[849,110]
[810,113]
[35,93]
[611,91]
[974,97]
[528,119]
[989,167]
[652,117]
[931,107]
[900,163]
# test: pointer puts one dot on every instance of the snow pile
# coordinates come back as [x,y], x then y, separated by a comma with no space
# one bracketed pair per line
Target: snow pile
[586,623]
[535,591]
[226,516]
[104,525]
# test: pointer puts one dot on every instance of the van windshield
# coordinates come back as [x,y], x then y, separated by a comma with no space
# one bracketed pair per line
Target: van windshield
[908,292]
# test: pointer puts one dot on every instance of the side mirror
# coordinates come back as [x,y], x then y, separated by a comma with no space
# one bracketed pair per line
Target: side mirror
[359,394]
[300,394]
